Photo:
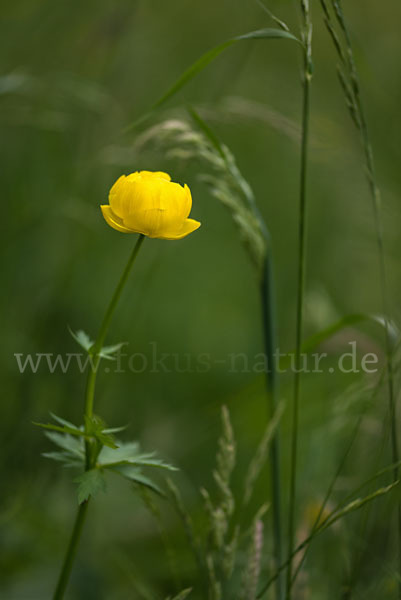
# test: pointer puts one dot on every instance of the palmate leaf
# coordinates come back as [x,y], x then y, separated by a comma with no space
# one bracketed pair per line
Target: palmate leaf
[108,352]
[67,442]
[65,429]
[129,454]
[208,57]
[84,340]
[125,451]
[125,459]
[147,461]
[70,439]
[115,429]
[96,427]
[64,457]
[90,483]
[134,474]
[62,421]
[73,453]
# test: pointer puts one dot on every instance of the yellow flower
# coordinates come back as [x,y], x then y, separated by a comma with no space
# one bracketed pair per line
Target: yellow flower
[150,203]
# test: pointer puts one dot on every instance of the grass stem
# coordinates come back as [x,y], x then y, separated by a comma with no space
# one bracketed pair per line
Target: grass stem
[307,76]
[353,95]
[269,334]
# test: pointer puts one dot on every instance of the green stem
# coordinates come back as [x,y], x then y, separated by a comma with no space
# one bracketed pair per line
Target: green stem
[89,400]
[300,289]
[377,215]
[332,518]
[269,331]
[71,551]
[97,346]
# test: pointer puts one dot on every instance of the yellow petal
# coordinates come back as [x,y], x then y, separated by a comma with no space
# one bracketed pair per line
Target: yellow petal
[146,221]
[119,195]
[155,206]
[188,201]
[113,220]
[187,227]
[155,175]
[150,203]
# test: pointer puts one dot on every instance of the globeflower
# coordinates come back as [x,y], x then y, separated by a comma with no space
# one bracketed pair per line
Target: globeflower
[150,203]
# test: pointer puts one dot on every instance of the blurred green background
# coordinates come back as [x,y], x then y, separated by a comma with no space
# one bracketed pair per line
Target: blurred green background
[73,75]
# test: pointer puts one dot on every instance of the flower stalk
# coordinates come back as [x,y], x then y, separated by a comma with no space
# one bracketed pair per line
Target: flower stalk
[90,451]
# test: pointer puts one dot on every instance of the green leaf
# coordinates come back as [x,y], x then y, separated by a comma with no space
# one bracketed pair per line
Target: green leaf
[106,440]
[355,505]
[208,57]
[87,344]
[90,483]
[83,339]
[65,457]
[129,454]
[347,321]
[134,474]
[207,131]
[142,461]
[334,516]
[66,429]
[95,427]
[182,595]
[126,451]
[108,351]
[115,429]
[67,442]
[63,421]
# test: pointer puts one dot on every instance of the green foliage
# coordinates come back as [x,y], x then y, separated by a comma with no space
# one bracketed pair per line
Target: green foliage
[129,454]
[218,551]
[61,117]
[107,352]
[262,452]
[90,483]
[82,339]
[182,595]
[209,56]
[73,453]
[135,475]
[182,140]
[122,458]
[96,428]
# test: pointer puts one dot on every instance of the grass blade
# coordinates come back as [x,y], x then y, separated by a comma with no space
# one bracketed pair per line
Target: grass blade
[332,518]
[207,58]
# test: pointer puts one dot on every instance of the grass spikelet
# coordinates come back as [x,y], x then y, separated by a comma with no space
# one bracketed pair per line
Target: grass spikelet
[215,586]
[350,84]
[183,140]
[229,554]
[252,571]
